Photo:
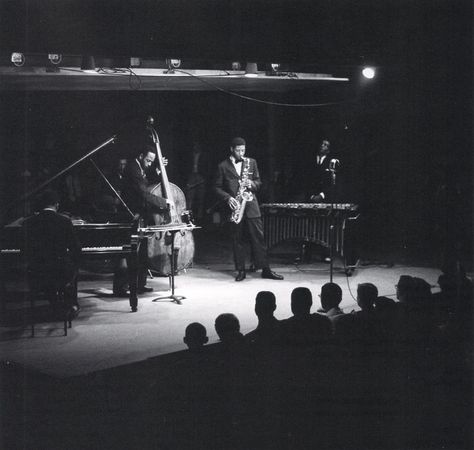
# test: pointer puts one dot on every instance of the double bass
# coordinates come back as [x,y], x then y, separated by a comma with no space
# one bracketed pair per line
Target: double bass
[159,245]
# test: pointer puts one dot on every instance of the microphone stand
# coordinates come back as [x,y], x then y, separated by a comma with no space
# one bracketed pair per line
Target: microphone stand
[331,169]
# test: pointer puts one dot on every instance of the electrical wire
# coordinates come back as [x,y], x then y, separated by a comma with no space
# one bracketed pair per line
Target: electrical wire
[257,100]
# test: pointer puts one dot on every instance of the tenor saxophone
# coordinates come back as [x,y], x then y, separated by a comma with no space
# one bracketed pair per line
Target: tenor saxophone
[243,195]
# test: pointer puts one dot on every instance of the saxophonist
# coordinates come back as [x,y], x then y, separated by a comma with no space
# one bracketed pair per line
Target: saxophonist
[236,183]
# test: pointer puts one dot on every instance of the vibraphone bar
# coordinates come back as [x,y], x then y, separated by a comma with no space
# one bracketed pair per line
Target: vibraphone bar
[307,221]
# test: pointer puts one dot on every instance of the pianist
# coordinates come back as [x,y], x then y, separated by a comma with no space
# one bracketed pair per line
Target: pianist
[142,203]
[52,252]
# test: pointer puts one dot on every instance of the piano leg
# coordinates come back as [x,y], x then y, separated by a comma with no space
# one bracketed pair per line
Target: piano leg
[133,277]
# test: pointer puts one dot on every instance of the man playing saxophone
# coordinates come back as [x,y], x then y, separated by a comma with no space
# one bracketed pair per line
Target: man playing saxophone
[236,183]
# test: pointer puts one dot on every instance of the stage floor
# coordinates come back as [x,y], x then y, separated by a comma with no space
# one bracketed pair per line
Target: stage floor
[106,334]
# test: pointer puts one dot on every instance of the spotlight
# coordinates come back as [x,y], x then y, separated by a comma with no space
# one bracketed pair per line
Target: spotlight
[236,65]
[55,58]
[251,70]
[18,59]
[172,64]
[88,64]
[368,72]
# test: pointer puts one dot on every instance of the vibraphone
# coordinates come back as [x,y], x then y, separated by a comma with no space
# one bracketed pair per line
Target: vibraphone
[310,222]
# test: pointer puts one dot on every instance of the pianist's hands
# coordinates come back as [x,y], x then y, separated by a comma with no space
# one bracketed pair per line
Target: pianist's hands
[318,198]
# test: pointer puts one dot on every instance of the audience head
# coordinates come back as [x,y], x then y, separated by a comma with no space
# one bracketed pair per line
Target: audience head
[265,304]
[227,326]
[301,301]
[367,293]
[195,336]
[331,296]
[405,288]
[421,290]
[384,304]
[413,290]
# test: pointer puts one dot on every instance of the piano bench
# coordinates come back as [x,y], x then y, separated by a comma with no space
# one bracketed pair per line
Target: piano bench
[61,309]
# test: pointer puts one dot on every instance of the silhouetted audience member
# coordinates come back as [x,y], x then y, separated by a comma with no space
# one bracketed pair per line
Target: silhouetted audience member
[304,328]
[414,310]
[386,313]
[454,303]
[268,330]
[331,297]
[228,329]
[456,291]
[195,336]
[359,327]
[367,294]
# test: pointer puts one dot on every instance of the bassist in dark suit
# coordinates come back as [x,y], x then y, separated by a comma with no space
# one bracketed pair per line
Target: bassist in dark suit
[141,203]
[234,175]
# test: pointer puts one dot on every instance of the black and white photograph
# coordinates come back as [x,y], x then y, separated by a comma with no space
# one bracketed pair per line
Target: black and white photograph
[236,224]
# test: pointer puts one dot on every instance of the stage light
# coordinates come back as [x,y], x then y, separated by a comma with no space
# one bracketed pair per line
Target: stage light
[172,64]
[368,72]
[251,70]
[55,58]
[18,59]
[88,64]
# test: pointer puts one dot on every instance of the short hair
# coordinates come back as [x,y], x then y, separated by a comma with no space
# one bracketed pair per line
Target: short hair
[226,324]
[237,141]
[367,293]
[147,149]
[405,286]
[331,295]
[195,331]
[301,300]
[384,303]
[195,336]
[48,198]
[265,302]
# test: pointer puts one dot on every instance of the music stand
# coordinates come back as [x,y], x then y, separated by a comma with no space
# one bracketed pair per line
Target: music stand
[172,230]
[174,298]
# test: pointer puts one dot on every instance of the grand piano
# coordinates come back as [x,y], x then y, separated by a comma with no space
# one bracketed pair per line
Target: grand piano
[98,240]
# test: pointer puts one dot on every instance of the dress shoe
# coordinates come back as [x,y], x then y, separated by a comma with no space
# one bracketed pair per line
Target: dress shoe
[120,293]
[268,273]
[240,275]
[144,290]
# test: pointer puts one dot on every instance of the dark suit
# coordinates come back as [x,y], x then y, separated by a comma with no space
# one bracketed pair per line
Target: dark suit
[139,200]
[226,185]
[323,182]
[52,253]
[322,179]
[135,191]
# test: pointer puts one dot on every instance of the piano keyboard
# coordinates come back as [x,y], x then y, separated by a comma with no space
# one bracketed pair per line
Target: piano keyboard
[122,248]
